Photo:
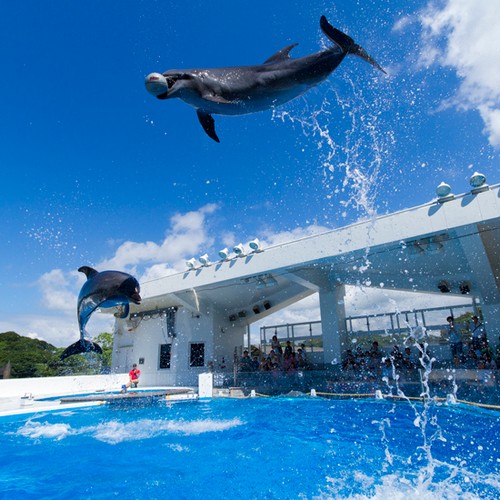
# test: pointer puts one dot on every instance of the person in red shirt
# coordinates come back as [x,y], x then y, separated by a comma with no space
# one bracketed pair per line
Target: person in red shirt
[134,375]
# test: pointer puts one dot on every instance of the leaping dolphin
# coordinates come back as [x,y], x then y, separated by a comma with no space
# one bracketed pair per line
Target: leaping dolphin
[104,289]
[248,89]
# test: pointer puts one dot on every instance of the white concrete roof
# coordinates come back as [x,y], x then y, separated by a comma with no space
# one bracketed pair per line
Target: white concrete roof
[457,241]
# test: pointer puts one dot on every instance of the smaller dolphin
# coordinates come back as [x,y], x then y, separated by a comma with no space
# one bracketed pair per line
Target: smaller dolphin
[247,89]
[104,289]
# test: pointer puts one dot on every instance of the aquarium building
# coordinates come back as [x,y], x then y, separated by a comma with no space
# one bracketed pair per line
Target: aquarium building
[197,319]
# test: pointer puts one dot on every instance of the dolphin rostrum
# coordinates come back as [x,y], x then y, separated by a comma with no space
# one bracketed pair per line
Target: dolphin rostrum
[246,89]
[105,289]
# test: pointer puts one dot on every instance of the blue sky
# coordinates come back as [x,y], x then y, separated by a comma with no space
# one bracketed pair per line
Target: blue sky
[98,172]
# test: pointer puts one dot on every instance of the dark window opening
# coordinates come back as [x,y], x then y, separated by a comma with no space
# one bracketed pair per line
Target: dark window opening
[165,350]
[197,356]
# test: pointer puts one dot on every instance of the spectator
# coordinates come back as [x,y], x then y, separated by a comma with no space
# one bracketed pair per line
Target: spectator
[454,339]
[245,363]
[478,334]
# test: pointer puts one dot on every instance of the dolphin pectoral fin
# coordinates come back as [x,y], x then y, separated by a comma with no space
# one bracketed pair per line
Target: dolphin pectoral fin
[79,347]
[281,55]
[124,312]
[208,124]
[346,43]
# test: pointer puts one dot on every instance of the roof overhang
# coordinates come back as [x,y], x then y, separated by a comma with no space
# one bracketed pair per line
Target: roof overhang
[454,243]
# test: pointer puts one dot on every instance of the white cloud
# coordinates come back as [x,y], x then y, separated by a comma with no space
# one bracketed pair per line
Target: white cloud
[185,236]
[471,29]
[58,290]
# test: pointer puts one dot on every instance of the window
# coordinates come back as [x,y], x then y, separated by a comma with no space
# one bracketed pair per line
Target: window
[165,350]
[197,355]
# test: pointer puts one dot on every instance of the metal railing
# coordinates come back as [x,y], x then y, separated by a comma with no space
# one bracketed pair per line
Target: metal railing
[365,327]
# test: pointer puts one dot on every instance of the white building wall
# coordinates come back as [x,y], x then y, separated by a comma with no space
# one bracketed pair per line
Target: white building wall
[141,345]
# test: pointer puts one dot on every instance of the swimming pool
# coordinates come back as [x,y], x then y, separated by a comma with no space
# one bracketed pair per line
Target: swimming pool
[271,448]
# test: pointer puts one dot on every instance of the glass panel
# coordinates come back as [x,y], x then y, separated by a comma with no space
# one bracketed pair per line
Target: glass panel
[165,350]
[197,356]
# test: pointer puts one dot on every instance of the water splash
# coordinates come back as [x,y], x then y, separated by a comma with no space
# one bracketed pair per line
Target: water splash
[352,143]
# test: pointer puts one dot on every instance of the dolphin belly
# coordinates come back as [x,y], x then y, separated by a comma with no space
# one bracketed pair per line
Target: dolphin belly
[246,104]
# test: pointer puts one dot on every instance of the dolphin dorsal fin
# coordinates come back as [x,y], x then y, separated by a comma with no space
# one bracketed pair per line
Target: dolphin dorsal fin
[88,271]
[281,55]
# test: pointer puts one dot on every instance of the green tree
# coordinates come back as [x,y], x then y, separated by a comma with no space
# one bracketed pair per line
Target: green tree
[26,355]
[105,340]
[37,358]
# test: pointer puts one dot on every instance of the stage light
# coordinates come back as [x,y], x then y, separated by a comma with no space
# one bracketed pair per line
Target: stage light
[477,180]
[191,263]
[224,254]
[255,245]
[478,183]
[239,250]
[256,309]
[204,261]
[267,305]
[434,246]
[444,192]
[444,286]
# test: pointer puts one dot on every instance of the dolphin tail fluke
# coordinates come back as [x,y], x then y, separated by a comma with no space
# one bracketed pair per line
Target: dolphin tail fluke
[346,43]
[79,347]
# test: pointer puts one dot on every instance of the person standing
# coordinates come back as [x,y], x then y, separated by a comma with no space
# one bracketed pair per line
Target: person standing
[478,335]
[454,339]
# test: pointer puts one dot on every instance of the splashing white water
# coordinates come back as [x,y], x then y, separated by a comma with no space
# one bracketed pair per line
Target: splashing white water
[351,142]
[114,431]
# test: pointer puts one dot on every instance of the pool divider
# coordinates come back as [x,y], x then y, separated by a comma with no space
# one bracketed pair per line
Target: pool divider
[379,395]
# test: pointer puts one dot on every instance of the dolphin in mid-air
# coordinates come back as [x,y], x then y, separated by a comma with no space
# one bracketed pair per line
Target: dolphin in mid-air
[247,89]
[102,289]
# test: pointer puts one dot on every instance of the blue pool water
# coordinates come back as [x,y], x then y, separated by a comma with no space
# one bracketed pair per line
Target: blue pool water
[272,448]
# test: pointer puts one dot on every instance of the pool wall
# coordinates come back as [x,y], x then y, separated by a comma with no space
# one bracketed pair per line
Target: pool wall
[48,386]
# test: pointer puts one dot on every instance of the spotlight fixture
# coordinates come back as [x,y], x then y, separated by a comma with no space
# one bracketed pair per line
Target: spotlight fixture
[255,245]
[242,314]
[444,192]
[464,288]
[191,263]
[239,250]
[204,261]
[232,318]
[256,309]
[434,246]
[478,183]
[414,248]
[224,254]
[477,179]
[444,286]
[267,305]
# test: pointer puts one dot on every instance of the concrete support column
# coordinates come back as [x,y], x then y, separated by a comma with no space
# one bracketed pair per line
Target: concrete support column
[484,284]
[331,303]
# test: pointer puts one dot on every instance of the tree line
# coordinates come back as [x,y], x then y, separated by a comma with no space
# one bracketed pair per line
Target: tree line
[22,357]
